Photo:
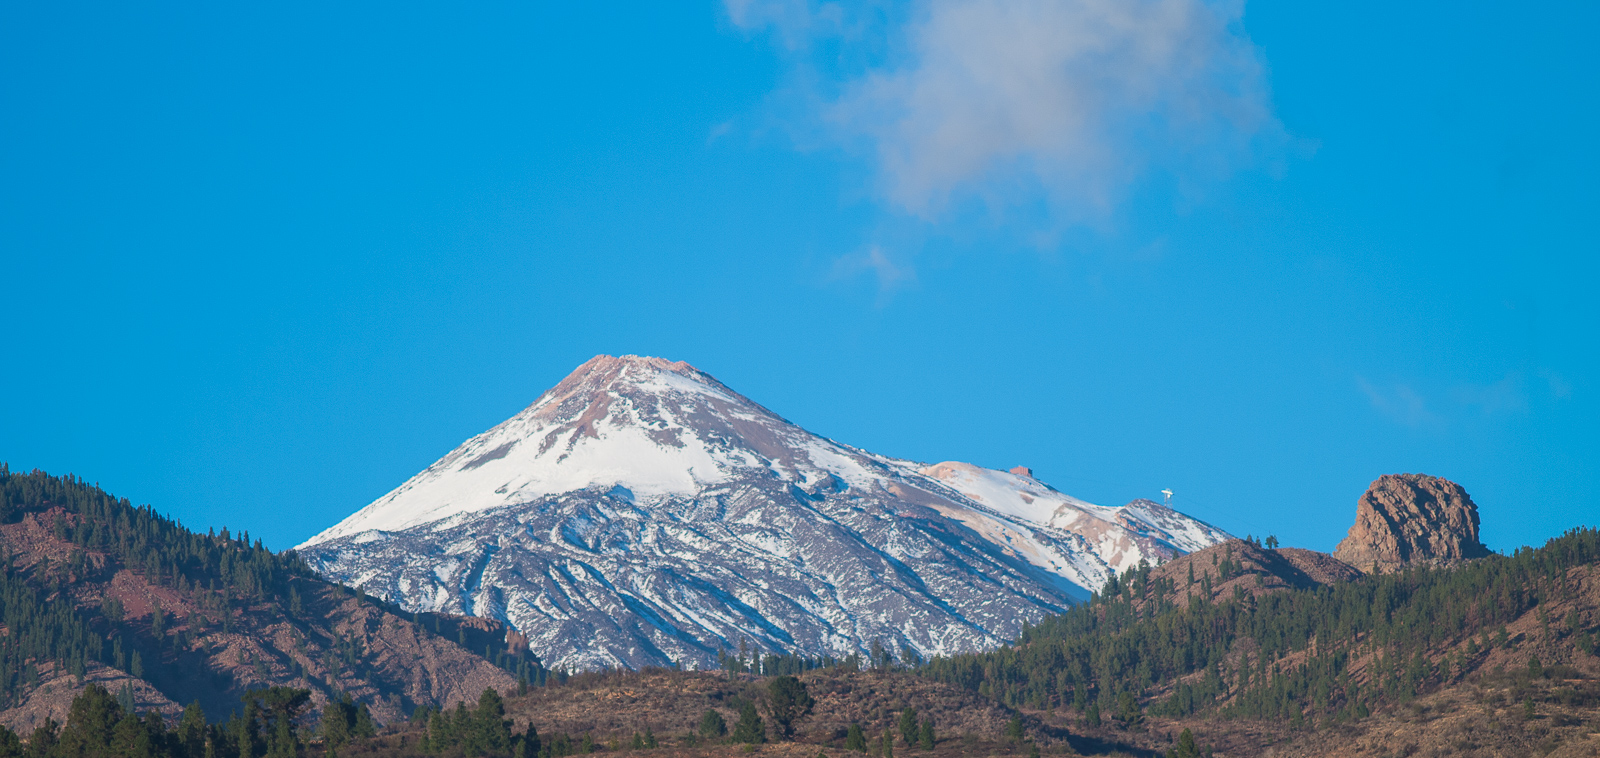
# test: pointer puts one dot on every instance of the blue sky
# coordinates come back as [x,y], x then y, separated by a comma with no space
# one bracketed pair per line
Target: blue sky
[262,264]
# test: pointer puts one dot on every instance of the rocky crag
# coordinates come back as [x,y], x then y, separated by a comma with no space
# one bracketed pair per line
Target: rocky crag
[1411,519]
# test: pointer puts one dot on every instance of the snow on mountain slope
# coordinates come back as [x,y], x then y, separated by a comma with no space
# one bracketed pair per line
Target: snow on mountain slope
[642,513]
[1141,530]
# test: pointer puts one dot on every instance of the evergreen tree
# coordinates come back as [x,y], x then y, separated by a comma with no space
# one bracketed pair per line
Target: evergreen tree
[192,731]
[337,716]
[529,745]
[1186,747]
[246,732]
[284,744]
[854,739]
[712,726]
[749,729]
[363,726]
[42,743]
[493,732]
[787,701]
[1129,714]
[129,738]
[925,735]
[91,720]
[908,725]
[10,744]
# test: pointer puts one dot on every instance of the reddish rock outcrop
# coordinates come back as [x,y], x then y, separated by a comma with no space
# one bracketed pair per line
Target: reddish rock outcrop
[1410,519]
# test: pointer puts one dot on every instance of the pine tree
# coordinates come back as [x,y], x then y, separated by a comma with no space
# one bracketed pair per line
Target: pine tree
[712,725]
[336,718]
[192,731]
[42,743]
[1186,747]
[854,739]
[129,738]
[749,730]
[908,725]
[284,743]
[90,721]
[787,701]
[925,734]
[531,741]
[493,731]
[10,744]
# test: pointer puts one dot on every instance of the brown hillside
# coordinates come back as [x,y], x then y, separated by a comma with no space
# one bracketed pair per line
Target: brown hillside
[672,702]
[215,647]
[1239,566]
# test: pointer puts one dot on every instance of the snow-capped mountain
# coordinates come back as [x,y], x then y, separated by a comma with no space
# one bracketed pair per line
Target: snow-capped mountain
[641,513]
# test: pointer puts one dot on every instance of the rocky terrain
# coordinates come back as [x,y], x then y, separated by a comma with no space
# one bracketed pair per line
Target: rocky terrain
[642,513]
[1411,519]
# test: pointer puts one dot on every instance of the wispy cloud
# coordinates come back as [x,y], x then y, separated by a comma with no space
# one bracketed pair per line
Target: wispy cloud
[1398,401]
[1560,388]
[1496,398]
[891,274]
[1459,403]
[1023,103]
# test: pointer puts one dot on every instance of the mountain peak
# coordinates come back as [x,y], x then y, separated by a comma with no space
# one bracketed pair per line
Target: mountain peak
[640,512]
[607,369]
[632,374]
[652,426]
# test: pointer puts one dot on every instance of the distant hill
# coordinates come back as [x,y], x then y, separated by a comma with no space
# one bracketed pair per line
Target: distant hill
[94,589]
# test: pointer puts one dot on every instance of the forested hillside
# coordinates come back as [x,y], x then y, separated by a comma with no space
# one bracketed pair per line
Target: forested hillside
[1151,643]
[94,589]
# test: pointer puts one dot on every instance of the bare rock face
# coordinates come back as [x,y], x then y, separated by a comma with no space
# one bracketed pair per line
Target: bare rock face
[1409,519]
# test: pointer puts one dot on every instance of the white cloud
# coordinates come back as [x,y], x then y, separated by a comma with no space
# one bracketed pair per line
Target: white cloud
[1015,103]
